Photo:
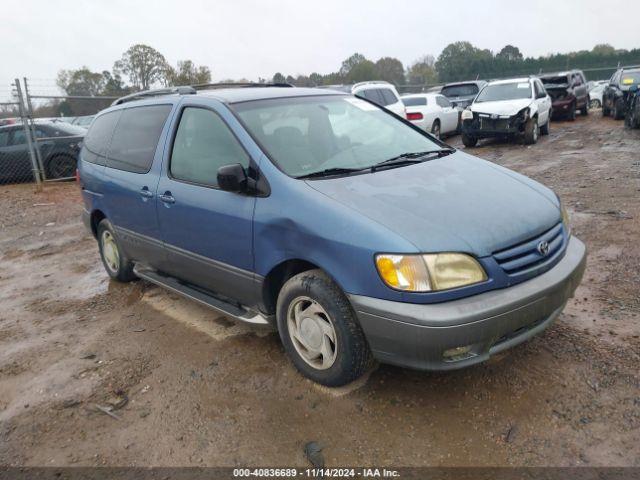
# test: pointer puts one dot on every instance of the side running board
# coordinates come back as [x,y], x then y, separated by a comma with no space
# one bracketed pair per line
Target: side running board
[226,308]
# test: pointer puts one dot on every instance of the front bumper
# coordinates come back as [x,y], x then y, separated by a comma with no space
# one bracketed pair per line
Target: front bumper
[417,335]
[482,128]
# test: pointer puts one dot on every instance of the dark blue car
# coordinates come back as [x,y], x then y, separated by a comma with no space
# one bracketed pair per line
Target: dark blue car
[356,234]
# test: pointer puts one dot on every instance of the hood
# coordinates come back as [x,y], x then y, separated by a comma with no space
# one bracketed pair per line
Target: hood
[502,107]
[455,203]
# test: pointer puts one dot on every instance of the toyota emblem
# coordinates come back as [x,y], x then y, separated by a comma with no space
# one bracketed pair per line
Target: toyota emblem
[543,248]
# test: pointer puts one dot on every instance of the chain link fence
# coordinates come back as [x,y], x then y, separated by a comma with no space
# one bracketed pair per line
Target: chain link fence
[41,131]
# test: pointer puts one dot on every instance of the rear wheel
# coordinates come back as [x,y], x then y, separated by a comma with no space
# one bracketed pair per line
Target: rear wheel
[544,129]
[585,109]
[61,166]
[469,141]
[319,330]
[531,131]
[435,129]
[115,263]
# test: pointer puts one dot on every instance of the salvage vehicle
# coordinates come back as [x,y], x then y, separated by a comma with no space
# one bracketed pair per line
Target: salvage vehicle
[632,115]
[568,92]
[431,112]
[379,92]
[615,94]
[356,234]
[58,142]
[508,108]
[461,94]
[595,95]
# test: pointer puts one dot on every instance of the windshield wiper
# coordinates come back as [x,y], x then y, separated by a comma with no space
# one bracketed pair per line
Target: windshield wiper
[413,157]
[330,171]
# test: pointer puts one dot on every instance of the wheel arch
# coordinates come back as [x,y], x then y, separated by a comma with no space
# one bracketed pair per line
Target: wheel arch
[278,276]
[94,220]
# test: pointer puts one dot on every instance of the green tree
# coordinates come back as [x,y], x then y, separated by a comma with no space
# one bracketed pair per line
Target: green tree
[143,65]
[362,72]
[603,49]
[279,78]
[391,70]
[350,63]
[316,79]
[81,82]
[187,73]
[423,71]
[114,85]
[509,53]
[461,60]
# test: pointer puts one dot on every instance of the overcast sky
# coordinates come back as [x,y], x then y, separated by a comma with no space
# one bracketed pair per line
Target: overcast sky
[253,38]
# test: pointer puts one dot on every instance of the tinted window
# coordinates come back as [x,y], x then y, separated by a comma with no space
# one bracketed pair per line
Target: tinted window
[136,137]
[414,101]
[19,138]
[388,97]
[442,101]
[98,137]
[204,143]
[372,94]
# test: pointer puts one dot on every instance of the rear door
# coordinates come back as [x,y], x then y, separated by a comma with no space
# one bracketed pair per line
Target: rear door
[207,231]
[131,179]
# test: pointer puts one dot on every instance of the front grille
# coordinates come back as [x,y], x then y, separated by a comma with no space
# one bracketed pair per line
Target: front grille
[497,124]
[526,256]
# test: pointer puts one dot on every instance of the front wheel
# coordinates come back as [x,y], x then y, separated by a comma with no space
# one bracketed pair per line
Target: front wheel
[469,141]
[571,114]
[595,103]
[531,131]
[319,330]
[585,110]
[544,129]
[115,262]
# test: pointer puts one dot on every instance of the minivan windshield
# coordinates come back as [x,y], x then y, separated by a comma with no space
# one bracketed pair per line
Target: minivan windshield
[308,135]
[504,91]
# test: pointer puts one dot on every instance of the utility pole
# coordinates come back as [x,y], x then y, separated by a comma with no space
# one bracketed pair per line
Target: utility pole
[27,133]
[32,128]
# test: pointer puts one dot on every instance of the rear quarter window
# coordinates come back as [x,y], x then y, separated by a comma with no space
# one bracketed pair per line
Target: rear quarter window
[98,137]
[136,136]
[388,97]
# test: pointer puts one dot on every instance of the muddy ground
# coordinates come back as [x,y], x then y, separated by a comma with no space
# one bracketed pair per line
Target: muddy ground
[188,387]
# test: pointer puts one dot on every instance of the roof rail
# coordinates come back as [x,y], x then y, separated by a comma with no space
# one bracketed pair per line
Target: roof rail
[207,86]
[629,67]
[186,90]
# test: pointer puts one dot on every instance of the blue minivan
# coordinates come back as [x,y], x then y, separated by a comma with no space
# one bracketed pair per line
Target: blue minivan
[357,235]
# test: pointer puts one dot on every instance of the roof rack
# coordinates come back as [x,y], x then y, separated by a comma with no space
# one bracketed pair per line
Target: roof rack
[186,90]
[207,86]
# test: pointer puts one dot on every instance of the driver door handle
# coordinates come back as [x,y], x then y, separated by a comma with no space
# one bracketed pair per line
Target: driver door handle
[166,197]
[146,193]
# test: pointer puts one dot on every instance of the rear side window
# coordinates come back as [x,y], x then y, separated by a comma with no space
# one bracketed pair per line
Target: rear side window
[136,138]
[98,137]
[442,101]
[204,143]
[372,94]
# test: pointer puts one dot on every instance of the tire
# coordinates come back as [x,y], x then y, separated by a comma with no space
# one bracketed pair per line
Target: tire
[435,129]
[544,129]
[113,259]
[531,131]
[618,109]
[346,356]
[584,111]
[595,103]
[571,114]
[61,166]
[469,141]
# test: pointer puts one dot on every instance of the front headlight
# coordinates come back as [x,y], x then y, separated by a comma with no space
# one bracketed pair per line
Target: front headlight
[524,113]
[467,115]
[429,272]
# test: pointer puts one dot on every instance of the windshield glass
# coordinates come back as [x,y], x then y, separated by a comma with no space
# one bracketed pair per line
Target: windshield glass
[504,91]
[460,90]
[305,135]
[548,81]
[414,101]
[630,78]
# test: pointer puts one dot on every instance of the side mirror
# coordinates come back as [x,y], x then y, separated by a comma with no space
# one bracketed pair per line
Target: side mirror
[232,178]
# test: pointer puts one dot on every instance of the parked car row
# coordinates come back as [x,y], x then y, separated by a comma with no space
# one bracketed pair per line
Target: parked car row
[616,94]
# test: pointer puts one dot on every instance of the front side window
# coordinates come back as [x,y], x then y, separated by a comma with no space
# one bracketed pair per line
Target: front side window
[4,138]
[19,137]
[203,144]
[311,134]
[504,91]
[135,138]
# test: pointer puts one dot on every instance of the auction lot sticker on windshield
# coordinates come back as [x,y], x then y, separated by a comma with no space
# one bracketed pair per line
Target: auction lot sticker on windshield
[523,85]
[361,104]
[627,81]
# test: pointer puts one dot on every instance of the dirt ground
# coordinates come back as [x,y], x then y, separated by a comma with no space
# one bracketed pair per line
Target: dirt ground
[188,387]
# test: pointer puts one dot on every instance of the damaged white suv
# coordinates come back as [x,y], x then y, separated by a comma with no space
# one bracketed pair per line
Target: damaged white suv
[507,108]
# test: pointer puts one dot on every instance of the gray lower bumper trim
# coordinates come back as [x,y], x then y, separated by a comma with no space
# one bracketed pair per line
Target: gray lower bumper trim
[416,335]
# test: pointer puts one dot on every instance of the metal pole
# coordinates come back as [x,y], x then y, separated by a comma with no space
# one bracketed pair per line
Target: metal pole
[27,133]
[33,129]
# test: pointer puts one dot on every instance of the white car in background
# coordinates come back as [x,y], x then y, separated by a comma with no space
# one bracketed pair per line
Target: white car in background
[379,92]
[431,112]
[595,94]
